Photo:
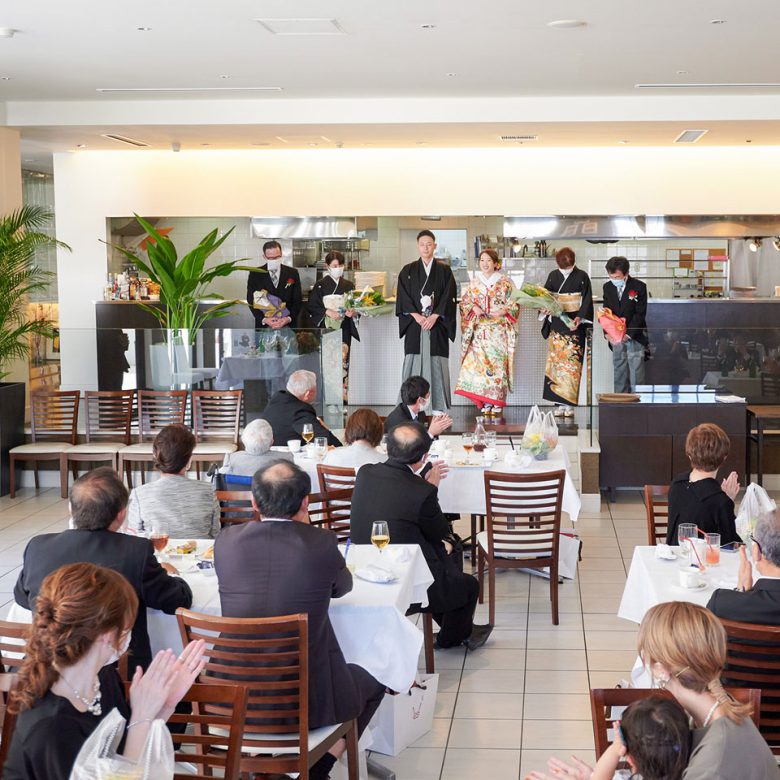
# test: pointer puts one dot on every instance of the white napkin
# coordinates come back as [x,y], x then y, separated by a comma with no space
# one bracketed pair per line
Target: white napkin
[665,552]
[729,583]
[374,573]
[397,554]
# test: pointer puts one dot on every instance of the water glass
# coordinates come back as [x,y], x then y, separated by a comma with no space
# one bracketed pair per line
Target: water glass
[713,549]
[685,532]
[321,446]
[491,439]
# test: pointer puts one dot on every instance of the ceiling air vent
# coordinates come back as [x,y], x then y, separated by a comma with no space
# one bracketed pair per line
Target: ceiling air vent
[124,140]
[689,136]
[519,137]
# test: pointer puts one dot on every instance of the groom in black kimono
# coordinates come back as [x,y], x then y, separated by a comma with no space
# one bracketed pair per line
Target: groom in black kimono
[425,307]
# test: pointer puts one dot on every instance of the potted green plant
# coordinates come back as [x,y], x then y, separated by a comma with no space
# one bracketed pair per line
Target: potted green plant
[20,235]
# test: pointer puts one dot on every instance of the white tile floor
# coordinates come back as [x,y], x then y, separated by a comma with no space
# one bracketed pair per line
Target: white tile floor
[502,710]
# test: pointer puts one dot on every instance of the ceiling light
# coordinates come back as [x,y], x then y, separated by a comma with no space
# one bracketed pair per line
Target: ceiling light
[427,26]
[624,141]
[5,78]
[81,146]
[144,29]
[717,21]
[682,72]
[123,139]
[313,144]
[754,244]
[205,144]
[7,32]
[689,136]
[224,76]
[776,244]
[451,75]
[566,24]
[310,26]
[748,140]
[188,89]
[520,138]
[717,85]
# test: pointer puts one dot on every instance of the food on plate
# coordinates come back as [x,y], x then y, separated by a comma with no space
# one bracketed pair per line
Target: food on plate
[209,554]
[185,548]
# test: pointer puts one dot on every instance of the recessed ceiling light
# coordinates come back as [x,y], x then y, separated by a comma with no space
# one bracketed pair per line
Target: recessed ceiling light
[624,141]
[144,29]
[452,75]
[717,21]
[313,144]
[5,78]
[748,140]
[123,139]
[567,24]
[689,136]
[519,138]
[260,143]
[427,26]
[225,76]
[302,26]
[7,32]
[81,146]
[682,72]
[188,89]
[205,144]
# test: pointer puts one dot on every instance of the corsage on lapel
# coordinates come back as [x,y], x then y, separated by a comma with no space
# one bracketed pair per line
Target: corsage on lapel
[632,294]
[290,281]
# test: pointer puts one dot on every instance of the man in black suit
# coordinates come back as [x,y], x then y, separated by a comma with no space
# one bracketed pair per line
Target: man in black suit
[289,410]
[280,280]
[415,397]
[98,506]
[760,602]
[395,492]
[627,297]
[282,566]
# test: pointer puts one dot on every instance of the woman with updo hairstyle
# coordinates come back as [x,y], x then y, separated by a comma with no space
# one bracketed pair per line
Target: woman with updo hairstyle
[68,680]
[176,505]
[488,316]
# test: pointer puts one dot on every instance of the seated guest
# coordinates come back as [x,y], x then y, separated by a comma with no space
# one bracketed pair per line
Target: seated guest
[98,506]
[363,435]
[289,410]
[257,439]
[175,505]
[395,492]
[280,565]
[415,397]
[68,682]
[697,497]
[759,602]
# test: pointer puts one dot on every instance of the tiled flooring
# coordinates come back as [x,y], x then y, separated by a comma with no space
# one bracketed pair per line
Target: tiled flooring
[502,710]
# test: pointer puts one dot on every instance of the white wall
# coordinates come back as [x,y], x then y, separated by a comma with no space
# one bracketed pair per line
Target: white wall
[90,186]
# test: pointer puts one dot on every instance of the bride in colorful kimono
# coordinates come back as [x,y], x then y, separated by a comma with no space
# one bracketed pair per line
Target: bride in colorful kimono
[565,345]
[487,320]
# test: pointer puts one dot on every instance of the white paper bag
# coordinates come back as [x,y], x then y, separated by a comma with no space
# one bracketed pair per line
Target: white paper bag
[755,503]
[403,719]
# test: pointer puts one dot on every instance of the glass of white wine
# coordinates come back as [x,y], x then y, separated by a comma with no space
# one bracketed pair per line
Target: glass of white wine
[308,433]
[380,535]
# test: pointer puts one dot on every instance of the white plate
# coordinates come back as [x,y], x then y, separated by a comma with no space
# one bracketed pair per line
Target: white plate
[279,448]
[394,578]
[701,586]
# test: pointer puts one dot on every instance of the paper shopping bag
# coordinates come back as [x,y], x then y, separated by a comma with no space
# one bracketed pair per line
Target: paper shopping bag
[404,718]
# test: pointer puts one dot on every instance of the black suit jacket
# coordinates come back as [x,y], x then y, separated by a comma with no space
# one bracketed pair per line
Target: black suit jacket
[401,414]
[268,569]
[288,289]
[287,414]
[760,604]
[316,306]
[632,305]
[410,506]
[131,556]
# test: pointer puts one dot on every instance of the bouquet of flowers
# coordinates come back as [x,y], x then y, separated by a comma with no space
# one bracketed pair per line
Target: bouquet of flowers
[534,296]
[614,327]
[368,303]
[270,305]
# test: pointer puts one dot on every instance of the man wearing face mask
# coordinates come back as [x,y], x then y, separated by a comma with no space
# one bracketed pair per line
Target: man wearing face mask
[98,505]
[334,283]
[566,344]
[626,297]
[396,492]
[415,401]
[279,281]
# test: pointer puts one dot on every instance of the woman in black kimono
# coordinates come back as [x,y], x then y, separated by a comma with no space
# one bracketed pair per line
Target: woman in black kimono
[334,283]
[566,346]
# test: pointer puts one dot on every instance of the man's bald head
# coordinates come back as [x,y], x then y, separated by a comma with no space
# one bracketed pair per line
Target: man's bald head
[279,489]
[97,498]
[408,443]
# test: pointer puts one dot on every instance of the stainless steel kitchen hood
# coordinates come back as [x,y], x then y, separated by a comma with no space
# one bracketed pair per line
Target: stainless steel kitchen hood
[304,227]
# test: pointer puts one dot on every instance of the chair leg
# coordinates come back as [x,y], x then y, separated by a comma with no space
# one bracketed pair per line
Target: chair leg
[353,770]
[481,574]
[35,474]
[492,592]
[12,476]
[554,593]
[64,476]
[428,638]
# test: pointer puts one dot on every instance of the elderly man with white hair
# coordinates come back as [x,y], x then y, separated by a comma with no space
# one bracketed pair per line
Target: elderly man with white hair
[289,410]
[257,439]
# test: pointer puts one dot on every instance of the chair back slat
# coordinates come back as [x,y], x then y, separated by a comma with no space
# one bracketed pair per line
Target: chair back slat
[13,637]
[753,659]
[770,384]
[331,509]
[235,506]
[270,657]
[54,415]
[216,414]
[657,510]
[158,408]
[335,477]
[7,719]
[109,414]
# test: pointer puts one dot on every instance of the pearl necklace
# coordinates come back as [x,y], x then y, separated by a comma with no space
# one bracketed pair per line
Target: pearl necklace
[93,704]
[710,714]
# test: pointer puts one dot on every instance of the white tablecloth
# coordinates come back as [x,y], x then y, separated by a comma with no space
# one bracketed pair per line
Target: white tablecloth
[652,581]
[369,622]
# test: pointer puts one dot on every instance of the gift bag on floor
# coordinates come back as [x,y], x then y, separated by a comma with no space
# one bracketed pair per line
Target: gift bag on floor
[755,503]
[404,718]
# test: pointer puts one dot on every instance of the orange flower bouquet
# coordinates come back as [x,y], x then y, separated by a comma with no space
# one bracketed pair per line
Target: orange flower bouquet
[614,327]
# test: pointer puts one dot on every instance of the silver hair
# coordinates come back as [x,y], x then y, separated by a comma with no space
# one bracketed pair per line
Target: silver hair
[258,436]
[300,382]
[767,534]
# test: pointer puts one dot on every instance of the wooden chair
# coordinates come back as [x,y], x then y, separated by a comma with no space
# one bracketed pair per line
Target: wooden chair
[12,640]
[109,414]
[156,409]
[657,508]
[523,529]
[753,658]
[8,719]
[602,700]
[327,510]
[271,657]
[235,506]
[770,385]
[53,419]
[216,417]
[335,477]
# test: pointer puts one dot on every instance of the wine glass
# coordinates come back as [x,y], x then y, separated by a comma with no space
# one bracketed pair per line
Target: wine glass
[308,432]
[467,440]
[159,540]
[321,446]
[380,535]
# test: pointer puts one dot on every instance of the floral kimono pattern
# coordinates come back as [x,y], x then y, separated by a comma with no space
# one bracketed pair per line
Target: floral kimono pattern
[488,343]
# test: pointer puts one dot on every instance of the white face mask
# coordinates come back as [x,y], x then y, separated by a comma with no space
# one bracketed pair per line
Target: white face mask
[337,271]
[424,403]
[566,271]
[118,653]
[274,265]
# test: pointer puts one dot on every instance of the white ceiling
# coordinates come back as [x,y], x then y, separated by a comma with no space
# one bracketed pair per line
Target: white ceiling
[385,80]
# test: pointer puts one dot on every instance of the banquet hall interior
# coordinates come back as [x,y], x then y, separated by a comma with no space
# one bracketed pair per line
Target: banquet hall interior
[225,137]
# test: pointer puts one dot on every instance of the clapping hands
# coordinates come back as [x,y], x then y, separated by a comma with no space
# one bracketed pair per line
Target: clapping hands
[730,485]
[439,424]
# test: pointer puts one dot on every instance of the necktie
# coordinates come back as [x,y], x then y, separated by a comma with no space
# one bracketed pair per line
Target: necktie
[275,278]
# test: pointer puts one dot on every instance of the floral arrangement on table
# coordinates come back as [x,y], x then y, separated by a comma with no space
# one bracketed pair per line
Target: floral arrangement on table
[368,303]
[614,327]
[534,296]
[538,445]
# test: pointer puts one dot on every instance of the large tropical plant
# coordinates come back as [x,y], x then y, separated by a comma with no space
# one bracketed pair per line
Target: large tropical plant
[20,236]
[183,281]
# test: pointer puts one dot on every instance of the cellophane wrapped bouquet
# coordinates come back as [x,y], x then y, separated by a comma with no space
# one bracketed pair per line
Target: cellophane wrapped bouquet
[541,434]
[534,296]
[614,327]
[368,303]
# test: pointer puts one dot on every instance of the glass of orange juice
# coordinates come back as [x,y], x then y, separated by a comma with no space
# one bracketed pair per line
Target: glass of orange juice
[713,549]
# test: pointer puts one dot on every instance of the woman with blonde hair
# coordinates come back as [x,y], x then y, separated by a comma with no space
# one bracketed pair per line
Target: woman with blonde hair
[68,681]
[683,647]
